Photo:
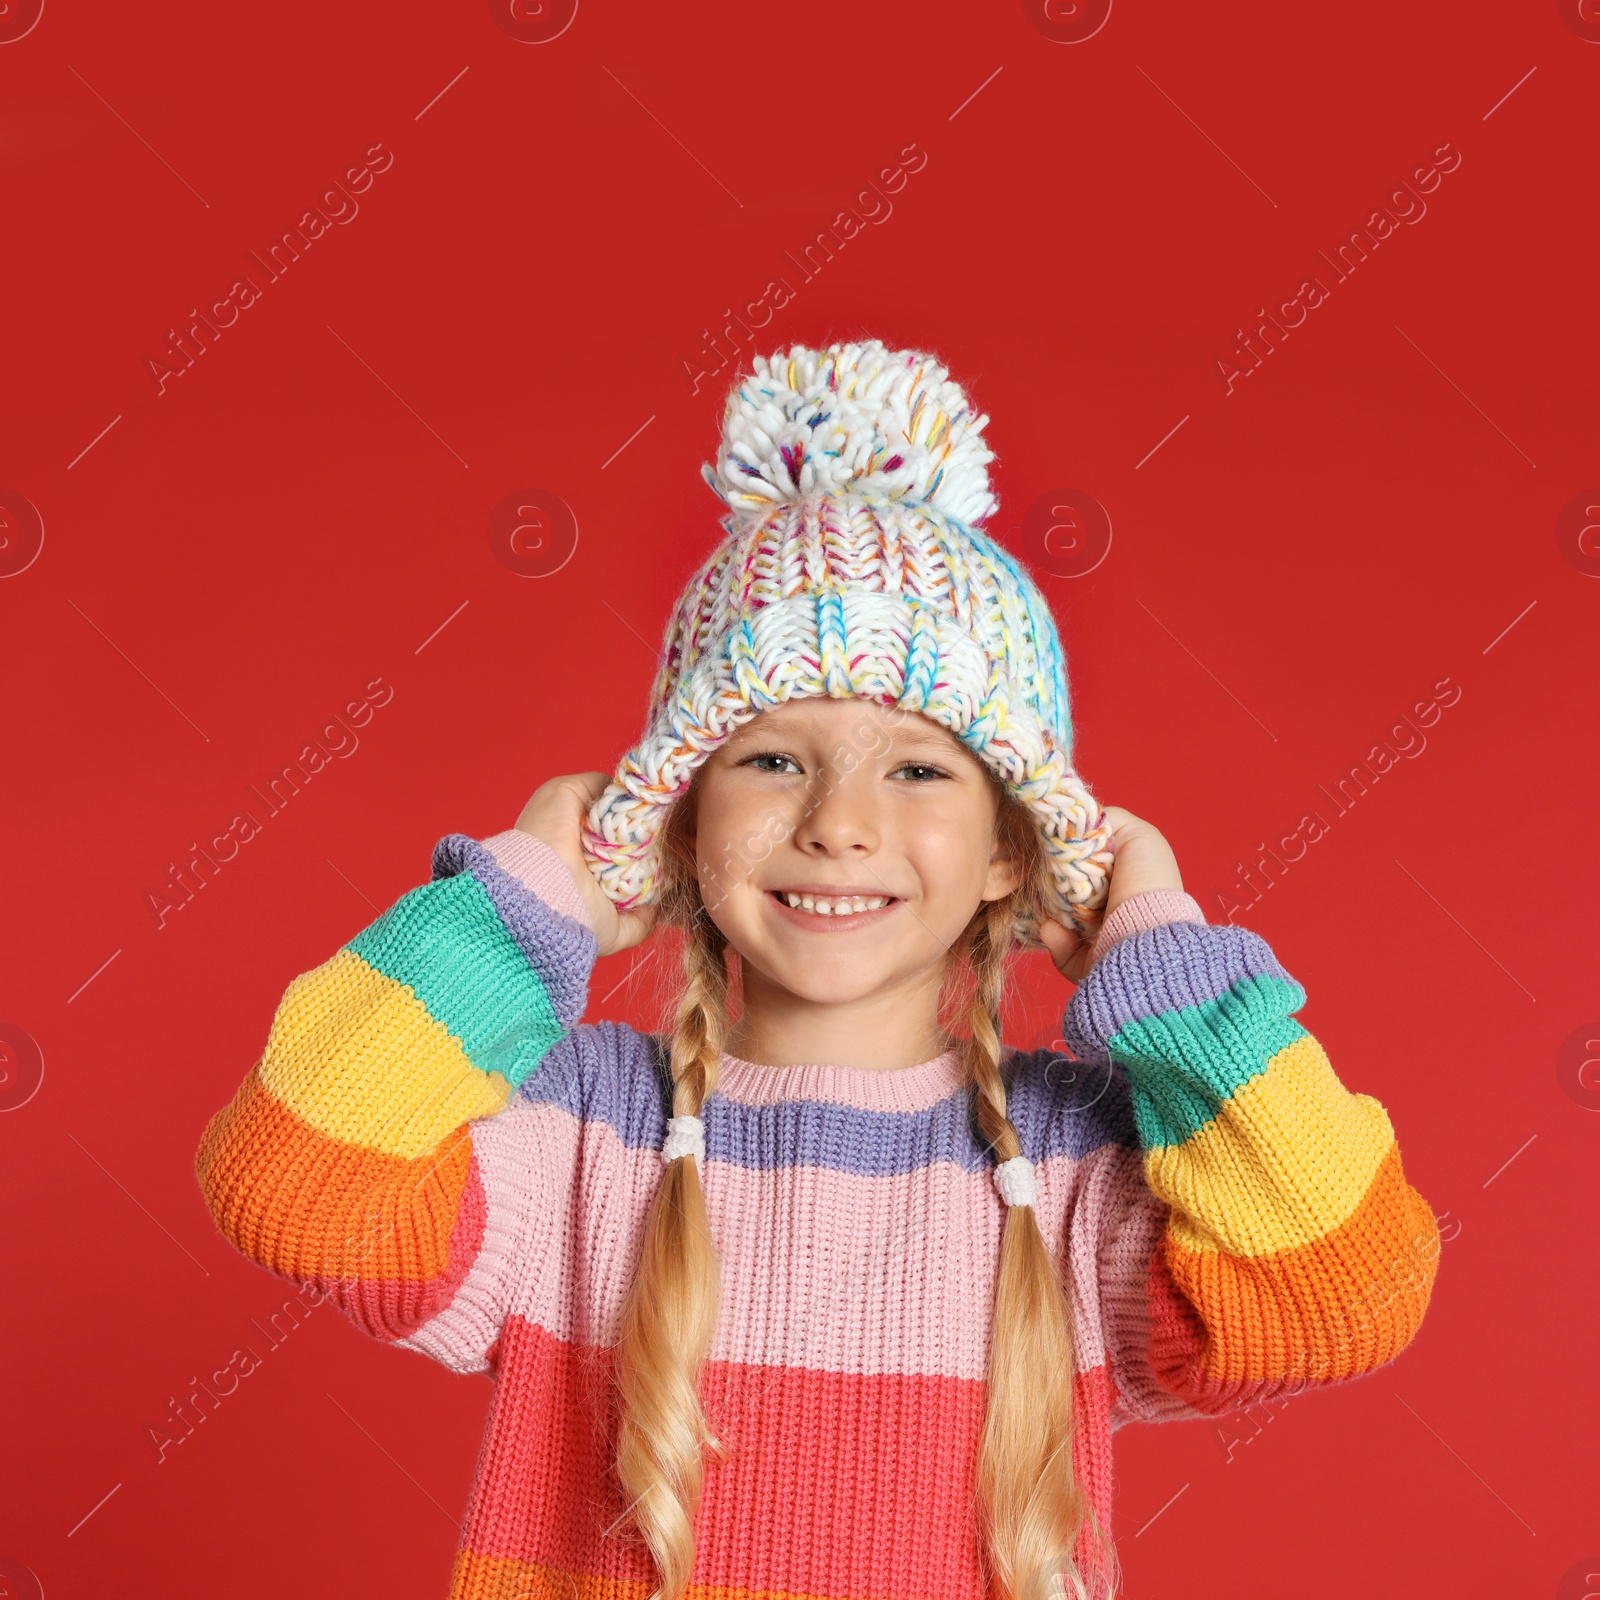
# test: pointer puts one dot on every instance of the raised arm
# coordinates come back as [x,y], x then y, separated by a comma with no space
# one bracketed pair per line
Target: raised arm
[360,1154]
[1280,1246]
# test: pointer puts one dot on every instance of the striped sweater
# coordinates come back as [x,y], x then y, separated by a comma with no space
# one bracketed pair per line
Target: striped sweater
[434,1141]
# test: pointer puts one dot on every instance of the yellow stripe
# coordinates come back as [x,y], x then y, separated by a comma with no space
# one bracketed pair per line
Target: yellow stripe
[1283,1163]
[357,1056]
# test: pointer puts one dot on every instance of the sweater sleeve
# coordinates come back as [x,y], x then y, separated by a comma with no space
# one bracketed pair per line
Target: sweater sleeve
[1274,1243]
[369,1152]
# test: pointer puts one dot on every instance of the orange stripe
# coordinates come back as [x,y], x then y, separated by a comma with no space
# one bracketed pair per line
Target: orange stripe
[505,1578]
[310,1206]
[1222,1327]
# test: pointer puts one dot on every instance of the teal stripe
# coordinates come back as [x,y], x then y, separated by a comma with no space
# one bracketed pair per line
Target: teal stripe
[445,942]
[1184,1065]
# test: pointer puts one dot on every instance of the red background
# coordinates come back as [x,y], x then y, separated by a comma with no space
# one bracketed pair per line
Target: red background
[301,511]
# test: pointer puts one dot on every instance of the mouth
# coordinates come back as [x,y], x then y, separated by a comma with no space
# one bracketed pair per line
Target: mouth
[831,913]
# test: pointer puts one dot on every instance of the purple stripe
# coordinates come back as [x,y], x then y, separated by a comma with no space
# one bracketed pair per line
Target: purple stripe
[1162,969]
[609,1073]
[560,949]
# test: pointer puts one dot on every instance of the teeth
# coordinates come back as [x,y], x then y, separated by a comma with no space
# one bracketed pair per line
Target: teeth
[842,906]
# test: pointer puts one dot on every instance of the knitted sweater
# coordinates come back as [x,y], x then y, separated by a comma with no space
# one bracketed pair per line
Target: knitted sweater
[433,1140]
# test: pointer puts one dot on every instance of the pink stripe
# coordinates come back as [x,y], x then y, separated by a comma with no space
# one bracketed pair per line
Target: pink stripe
[540,870]
[1124,1232]
[516,1176]
[1147,910]
[816,1243]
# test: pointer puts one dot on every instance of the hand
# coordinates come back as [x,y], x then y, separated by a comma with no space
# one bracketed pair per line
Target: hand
[1141,860]
[555,814]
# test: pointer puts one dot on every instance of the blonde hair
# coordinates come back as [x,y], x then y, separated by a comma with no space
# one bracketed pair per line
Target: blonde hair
[1030,1505]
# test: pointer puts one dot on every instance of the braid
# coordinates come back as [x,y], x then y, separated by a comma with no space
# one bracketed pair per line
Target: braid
[1032,1505]
[669,1316]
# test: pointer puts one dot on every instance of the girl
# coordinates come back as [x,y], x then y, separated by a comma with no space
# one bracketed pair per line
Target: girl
[821,1291]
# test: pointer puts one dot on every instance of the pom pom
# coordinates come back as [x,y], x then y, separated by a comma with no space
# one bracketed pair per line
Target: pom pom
[852,419]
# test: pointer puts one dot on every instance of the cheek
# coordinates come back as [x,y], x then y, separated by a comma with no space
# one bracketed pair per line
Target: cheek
[952,853]
[734,834]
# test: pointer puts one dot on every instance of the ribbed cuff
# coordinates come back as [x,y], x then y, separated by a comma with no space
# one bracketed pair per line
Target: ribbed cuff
[539,870]
[1147,910]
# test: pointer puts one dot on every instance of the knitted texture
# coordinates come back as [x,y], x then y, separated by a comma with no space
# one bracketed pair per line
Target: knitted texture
[434,1139]
[853,566]
[1140,911]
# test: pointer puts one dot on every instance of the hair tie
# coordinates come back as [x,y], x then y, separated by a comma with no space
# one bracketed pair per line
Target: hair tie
[1017,1182]
[686,1136]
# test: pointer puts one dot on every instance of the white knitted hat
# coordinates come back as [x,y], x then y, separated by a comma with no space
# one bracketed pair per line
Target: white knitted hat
[853,566]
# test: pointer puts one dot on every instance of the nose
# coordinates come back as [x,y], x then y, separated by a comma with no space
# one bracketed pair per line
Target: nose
[838,817]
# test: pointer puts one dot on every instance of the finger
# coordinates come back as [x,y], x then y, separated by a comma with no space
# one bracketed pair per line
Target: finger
[636,926]
[1062,942]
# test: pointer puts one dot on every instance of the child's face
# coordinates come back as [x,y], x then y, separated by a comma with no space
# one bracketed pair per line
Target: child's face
[853,797]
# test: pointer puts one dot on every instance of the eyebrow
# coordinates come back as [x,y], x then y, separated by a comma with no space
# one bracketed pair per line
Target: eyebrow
[916,727]
[924,738]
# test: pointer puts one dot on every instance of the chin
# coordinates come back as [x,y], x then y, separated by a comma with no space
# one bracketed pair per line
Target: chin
[822,981]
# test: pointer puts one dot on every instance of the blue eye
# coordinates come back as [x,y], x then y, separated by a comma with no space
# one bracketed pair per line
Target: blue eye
[923,766]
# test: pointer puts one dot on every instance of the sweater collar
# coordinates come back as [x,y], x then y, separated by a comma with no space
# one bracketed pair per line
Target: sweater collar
[899,1089]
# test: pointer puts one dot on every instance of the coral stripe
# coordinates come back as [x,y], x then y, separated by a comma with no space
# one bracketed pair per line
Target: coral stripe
[309,1206]
[1286,1161]
[811,1443]
[357,1056]
[1225,1329]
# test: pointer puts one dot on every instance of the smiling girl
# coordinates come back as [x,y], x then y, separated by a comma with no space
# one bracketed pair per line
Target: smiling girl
[824,1291]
